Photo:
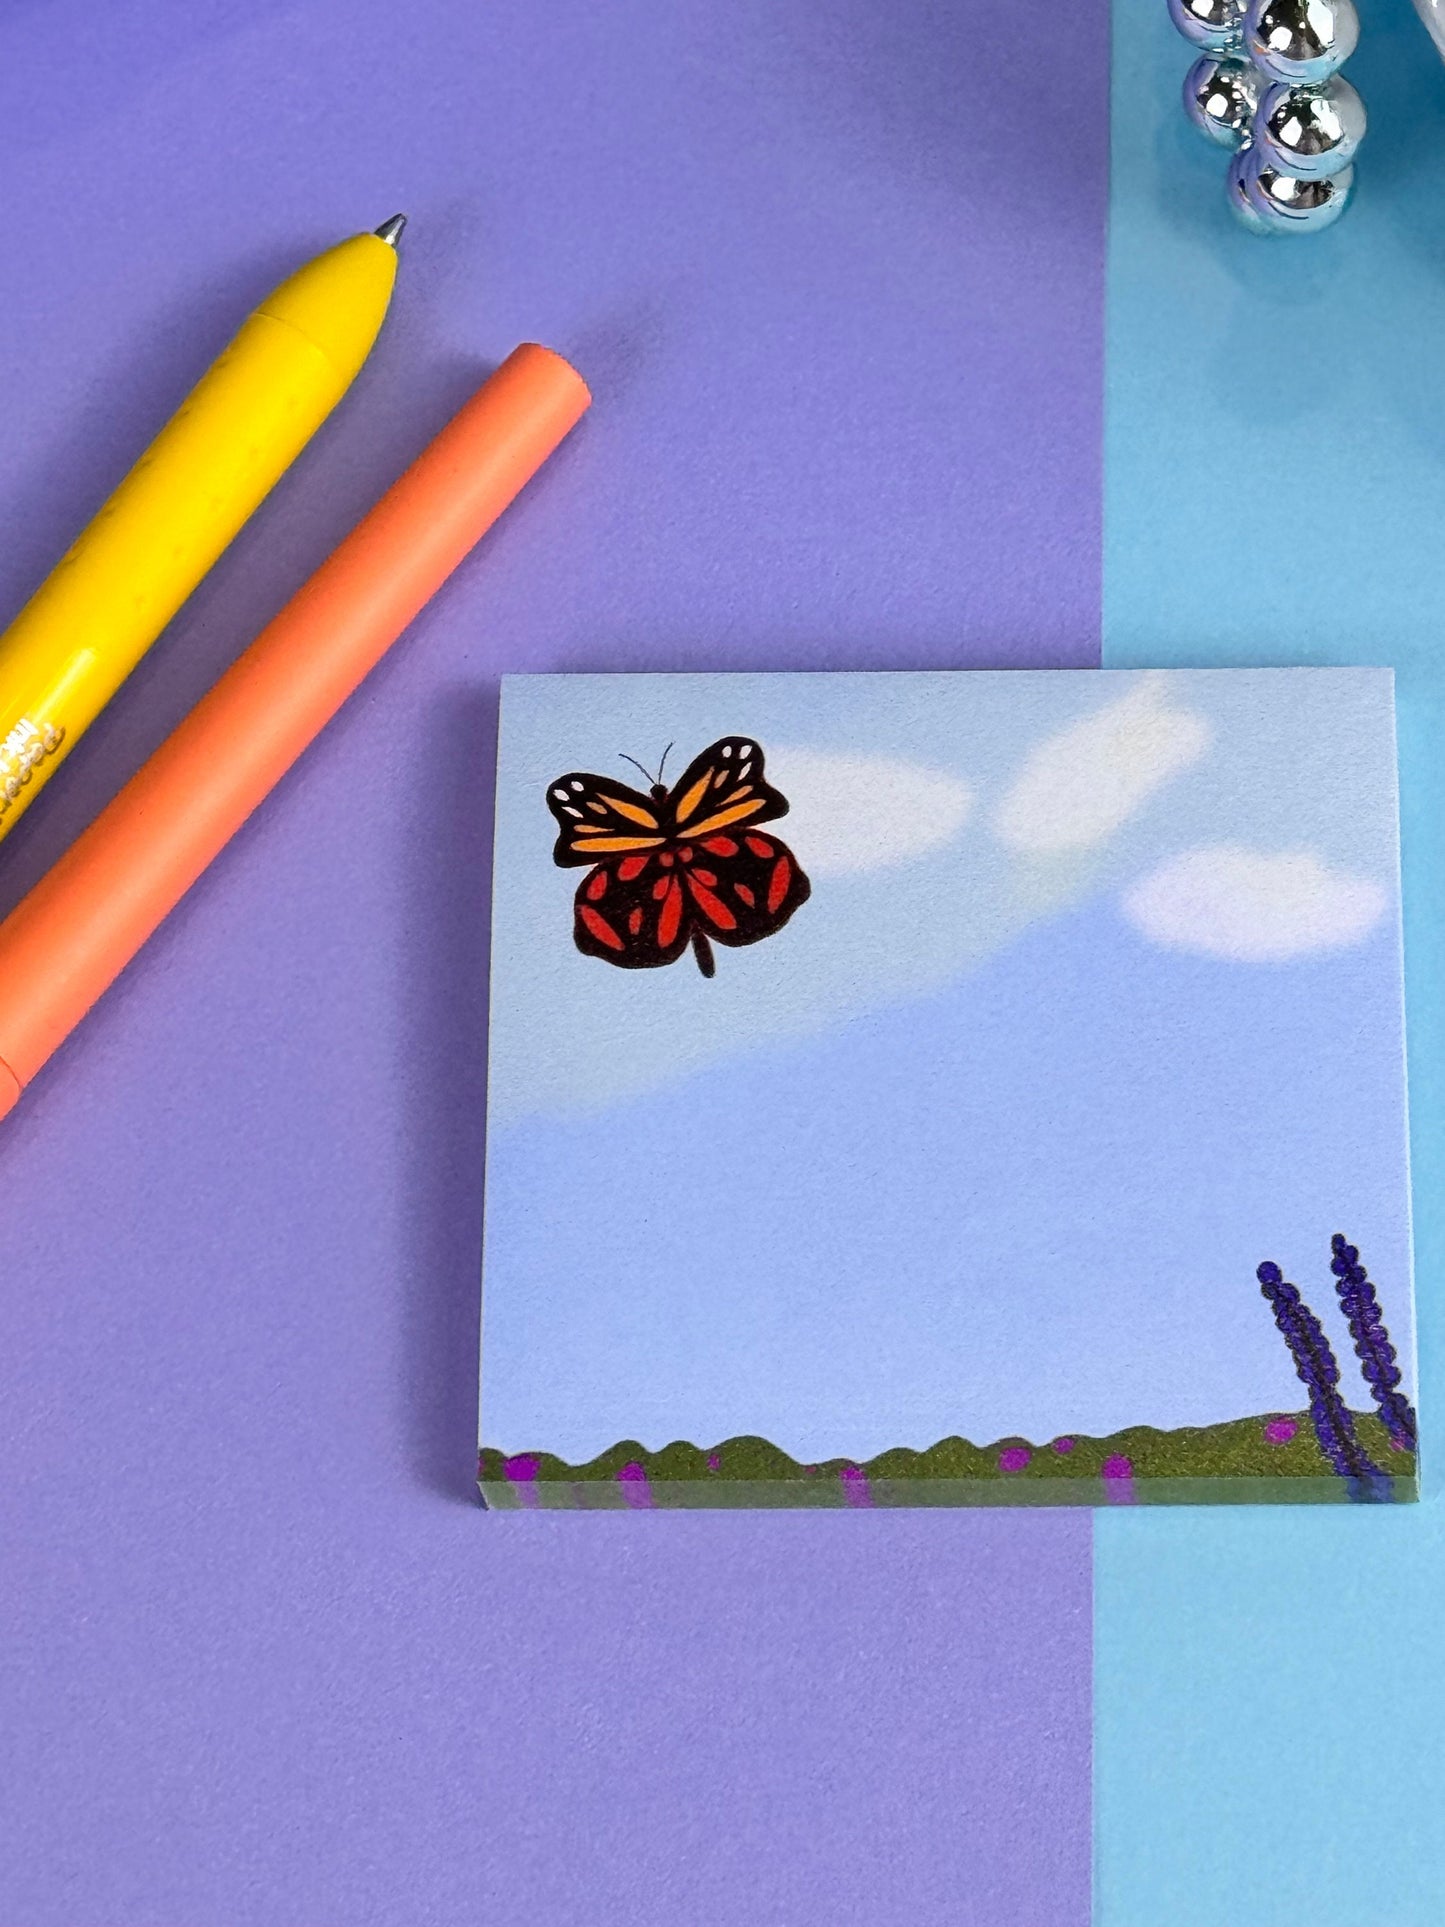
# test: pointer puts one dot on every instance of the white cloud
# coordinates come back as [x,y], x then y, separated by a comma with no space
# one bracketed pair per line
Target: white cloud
[1257,907]
[865,812]
[1079,786]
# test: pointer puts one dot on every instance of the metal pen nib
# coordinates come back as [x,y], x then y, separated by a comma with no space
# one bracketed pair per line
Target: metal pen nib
[390,231]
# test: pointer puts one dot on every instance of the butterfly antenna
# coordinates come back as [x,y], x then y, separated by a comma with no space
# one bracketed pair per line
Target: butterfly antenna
[663,764]
[634,762]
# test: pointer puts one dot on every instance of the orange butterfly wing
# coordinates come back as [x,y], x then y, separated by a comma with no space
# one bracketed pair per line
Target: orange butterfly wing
[598,818]
[722,790]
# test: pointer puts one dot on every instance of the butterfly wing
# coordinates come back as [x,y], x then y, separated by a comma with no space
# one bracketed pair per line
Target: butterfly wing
[722,790]
[742,887]
[633,912]
[662,870]
[598,819]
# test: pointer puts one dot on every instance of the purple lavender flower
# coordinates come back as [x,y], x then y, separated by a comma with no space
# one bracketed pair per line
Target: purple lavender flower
[1315,1365]
[1372,1344]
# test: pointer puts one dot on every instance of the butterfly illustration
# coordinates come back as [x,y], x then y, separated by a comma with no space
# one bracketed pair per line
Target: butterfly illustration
[686,865]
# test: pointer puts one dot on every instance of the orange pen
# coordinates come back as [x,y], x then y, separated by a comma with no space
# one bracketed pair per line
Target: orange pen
[71,937]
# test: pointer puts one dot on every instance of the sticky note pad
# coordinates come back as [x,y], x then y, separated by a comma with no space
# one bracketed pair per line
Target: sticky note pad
[947,1089]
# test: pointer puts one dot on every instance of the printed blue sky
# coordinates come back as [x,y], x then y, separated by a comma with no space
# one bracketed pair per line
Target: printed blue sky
[1095,1005]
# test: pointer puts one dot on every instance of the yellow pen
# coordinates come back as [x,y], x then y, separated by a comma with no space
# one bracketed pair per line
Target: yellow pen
[235,435]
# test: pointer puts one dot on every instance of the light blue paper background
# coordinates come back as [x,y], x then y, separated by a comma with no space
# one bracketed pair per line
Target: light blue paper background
[1269,1688]
[960,1150]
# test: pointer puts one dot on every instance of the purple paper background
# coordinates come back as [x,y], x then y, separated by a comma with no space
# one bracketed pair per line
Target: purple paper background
[839,297]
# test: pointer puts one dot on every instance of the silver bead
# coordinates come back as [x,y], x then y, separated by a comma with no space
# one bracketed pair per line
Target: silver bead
[1220,96]
[1310,132]
[1270,202]
[1240,204]
[1215,25]
[1432,12]
[1301,42]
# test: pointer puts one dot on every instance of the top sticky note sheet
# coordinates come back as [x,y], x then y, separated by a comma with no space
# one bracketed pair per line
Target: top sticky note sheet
[934,1089]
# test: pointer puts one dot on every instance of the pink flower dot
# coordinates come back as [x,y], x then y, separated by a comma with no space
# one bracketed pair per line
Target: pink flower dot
[632,1478]
[1118,1467]
[714,1460]
[1014,1458]
[1280,1431]
[1063,1445]
[1398,1445]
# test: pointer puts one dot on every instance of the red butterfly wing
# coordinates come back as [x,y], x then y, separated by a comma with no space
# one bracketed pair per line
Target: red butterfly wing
[633,912]
[742,887]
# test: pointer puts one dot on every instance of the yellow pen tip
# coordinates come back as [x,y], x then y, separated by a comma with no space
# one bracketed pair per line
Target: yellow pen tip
[390,231]
[338,300]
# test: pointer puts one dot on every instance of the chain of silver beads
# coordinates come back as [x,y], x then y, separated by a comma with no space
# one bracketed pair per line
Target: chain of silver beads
[1267,84]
